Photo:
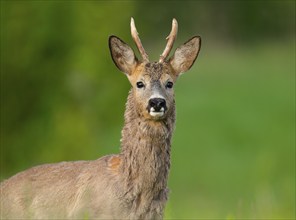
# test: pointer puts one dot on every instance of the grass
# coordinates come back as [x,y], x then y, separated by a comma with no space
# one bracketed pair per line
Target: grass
[233,150]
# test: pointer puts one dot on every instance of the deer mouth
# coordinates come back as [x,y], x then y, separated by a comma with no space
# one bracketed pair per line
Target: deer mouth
[155,113]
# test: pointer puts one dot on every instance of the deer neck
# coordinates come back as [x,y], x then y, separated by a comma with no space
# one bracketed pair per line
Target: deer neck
[145,147]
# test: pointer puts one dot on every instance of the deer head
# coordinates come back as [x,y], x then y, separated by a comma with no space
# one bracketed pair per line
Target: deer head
[152,82]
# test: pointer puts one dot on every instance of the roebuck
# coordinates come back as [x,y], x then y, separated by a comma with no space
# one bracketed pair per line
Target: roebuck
[129,185]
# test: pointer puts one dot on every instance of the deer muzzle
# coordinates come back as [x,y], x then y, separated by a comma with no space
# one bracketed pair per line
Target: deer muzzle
[156,107]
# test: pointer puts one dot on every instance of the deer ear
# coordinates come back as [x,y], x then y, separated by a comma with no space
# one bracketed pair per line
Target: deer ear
[185,55]
[123,56]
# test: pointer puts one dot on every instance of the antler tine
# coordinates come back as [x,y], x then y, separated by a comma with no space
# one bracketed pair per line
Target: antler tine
[171,38]
[137,40]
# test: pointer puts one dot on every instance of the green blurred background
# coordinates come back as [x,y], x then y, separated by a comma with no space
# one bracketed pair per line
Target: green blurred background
[233,153]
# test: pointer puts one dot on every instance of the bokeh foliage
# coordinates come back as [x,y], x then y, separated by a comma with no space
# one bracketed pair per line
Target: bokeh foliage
[233,152]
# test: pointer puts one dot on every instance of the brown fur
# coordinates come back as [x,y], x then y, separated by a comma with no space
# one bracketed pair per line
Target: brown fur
[129,185]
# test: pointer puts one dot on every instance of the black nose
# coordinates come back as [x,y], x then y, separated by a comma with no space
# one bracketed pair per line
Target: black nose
[157,104]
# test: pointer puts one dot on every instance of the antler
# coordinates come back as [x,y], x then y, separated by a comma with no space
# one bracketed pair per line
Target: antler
[171,38]
[138,41]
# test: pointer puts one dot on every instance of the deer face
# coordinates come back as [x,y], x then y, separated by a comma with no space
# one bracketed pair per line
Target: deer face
[153,82]
[152,87]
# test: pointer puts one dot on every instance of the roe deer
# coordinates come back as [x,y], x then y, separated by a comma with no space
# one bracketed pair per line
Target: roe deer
[128,185]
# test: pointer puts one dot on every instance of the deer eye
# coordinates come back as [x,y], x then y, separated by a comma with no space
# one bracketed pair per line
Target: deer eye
[140,85]
[169,85]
